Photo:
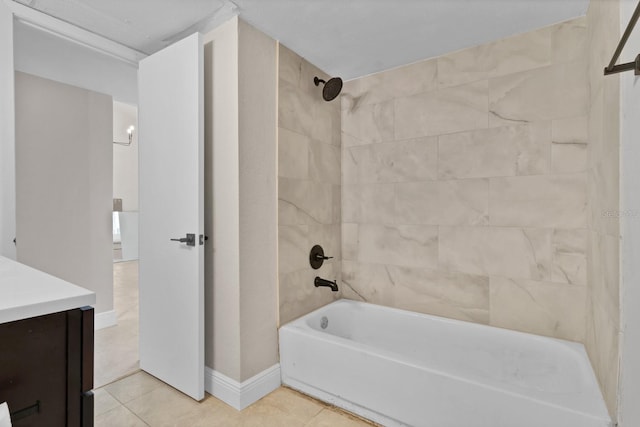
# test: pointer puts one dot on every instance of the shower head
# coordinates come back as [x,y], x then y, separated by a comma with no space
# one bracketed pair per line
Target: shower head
[331,88]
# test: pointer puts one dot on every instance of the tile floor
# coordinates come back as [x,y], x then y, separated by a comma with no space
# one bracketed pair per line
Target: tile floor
[142,400]
[116,348]
[128,397]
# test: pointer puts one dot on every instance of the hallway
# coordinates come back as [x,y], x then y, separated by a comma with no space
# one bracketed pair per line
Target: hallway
[116,347]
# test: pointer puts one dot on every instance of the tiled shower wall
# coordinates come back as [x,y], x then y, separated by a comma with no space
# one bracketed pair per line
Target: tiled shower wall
[465,184]
[603,307]
[308,186]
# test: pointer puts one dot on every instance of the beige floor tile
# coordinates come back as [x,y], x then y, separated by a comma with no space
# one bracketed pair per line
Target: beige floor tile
[118,417]
[103,402]
[134,386]
[331,418]
[283,407]
[167,407]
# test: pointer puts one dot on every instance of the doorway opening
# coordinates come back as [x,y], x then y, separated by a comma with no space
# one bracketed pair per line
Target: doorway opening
[116,347]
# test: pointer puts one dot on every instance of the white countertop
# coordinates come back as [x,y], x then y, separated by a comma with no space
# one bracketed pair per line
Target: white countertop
[26,292]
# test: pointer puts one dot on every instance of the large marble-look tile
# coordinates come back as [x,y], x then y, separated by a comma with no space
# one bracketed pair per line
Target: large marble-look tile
[522,149]
[322,202]
[569,40]
[602,343]
[604,195]
[299,296]
[455,202]
[596,127]
[489,251]
[402,245]
[442,111]
[380,87]
[350,241]
[293,201]
[464,66]
[543,308]
[293,155]
[569,145]
[569,256]
[370,123]
[296,109]
[347,140]
[324,163]
[289,65]
[521,52]
[368,203]
[506,56]
[327,124]
[448,294]
[546,93]
[539,201]
[370,282]
[293,248]
[303,202]
[400,161]
[329,237]
[604,271]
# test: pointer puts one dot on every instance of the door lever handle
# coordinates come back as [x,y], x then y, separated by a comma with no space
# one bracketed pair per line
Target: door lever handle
[190,240]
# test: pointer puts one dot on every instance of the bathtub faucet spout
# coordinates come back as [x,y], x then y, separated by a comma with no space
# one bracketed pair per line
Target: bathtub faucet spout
[322,282]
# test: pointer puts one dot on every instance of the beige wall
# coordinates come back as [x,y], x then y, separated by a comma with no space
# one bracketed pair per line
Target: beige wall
[222,255]
[308,186]
[7,145]
[63,183]
[465,185]
[257,96]
[240,201]
[603,307]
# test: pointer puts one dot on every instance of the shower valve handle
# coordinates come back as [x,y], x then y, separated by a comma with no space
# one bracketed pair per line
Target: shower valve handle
[322,257]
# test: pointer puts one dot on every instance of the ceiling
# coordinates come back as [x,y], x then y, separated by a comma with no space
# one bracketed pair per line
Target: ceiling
[347,38]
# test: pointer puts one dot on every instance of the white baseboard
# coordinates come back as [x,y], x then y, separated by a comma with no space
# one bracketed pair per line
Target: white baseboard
[240,395]
[105,319]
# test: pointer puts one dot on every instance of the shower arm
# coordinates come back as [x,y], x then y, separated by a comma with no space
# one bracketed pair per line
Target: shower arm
[633,65]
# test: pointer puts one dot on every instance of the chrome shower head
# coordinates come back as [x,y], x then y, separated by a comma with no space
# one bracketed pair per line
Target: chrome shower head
[331,88]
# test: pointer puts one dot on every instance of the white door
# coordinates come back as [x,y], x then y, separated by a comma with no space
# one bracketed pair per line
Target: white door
[171,143]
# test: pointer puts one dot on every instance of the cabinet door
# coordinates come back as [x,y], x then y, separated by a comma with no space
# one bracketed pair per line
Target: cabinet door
[46,369]
[33,370]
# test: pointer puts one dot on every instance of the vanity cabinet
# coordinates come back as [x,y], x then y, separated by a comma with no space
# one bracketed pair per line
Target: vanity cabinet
[46,348]
[46,369]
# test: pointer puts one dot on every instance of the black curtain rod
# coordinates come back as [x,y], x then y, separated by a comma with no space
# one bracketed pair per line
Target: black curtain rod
[635,65]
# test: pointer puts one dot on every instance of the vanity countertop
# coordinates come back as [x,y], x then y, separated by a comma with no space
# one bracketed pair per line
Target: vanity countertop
[26,292]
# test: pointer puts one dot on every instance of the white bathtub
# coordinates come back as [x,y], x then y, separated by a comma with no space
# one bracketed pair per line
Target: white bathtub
[400,368]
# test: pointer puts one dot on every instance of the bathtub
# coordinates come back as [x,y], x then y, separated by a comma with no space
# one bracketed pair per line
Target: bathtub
[400,368]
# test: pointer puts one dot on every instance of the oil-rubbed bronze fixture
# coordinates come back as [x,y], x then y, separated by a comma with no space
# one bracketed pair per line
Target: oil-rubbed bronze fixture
[319,281]
[316,257]
[331,88]
[612,68]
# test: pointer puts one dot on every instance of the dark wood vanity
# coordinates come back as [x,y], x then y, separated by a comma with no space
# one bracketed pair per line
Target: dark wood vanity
[46,360]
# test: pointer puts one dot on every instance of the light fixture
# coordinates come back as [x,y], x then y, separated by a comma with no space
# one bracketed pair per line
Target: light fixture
[130,130]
